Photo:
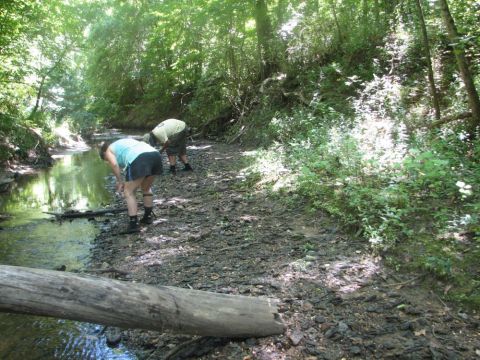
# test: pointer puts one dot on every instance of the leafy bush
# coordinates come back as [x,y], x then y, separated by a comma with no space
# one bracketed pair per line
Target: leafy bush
[416,197]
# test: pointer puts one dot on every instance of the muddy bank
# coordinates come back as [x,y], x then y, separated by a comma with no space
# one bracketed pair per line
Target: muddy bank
[338,301]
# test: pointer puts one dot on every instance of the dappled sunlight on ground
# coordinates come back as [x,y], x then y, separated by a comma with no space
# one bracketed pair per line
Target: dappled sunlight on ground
[343,276]
[157,220]
[159,256]
[159,240]
[349,275]
[172,201]
[199,147]
[270,165]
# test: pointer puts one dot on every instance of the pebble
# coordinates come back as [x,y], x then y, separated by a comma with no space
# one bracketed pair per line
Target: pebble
[330,332]
[412,311]
[355,350]
[296,337]
[342,327]
[388,345]
[113,336]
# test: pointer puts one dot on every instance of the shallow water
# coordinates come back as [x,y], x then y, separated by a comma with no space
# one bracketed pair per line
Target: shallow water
[32,238]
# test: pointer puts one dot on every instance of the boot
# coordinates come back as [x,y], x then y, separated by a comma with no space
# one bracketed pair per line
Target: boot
[187,167]
[147,216]
[173,169]
[133,226]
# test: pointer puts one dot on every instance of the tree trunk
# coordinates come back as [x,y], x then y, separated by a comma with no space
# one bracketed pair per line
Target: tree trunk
[462,63]
[333,6]
[87,213]
[38,97]
[376,8]
[44,78]
[265,39]
[426,46]
[129,305]
[281,13]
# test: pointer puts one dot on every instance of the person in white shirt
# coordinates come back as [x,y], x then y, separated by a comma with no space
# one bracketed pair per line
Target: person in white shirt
[171,135]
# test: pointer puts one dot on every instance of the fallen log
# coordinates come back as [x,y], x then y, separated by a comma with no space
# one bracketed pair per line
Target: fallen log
[88,213]
[132,305]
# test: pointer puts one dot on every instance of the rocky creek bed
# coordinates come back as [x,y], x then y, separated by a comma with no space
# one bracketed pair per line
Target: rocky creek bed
[338,301]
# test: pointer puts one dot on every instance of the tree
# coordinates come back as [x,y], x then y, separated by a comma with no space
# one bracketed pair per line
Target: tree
[426,47]
[463,66]
[265,39]
[130,305]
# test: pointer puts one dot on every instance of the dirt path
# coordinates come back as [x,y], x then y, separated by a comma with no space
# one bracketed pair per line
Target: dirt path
[338,301]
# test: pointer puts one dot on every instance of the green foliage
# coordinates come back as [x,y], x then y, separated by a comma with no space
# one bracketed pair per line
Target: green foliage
[441,267]
[208,92]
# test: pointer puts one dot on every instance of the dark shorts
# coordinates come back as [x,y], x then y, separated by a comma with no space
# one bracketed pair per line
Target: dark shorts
[146,164]
[178,144]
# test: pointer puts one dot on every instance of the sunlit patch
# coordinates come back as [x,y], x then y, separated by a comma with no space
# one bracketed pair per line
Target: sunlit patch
[250,24]
[249,153]
[248,218]
[287,29]
[160,240]
[159,256]
[343,276]
[158,220]
[268,351]
[379,137]
[464,189]
[172,201]
[67,139]
[223,158]
[270,164]
[346,276]
[201,147]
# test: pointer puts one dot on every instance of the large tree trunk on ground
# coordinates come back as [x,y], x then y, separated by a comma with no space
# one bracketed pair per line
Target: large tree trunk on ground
[129,305]
[88,213]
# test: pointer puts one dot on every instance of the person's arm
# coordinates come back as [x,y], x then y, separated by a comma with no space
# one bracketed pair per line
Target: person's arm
[112,161]
[164,146]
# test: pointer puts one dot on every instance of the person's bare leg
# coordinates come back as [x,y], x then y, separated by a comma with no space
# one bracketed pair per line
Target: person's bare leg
[147,191]
[129,192]
[146,187]
[183,159]
[172,159]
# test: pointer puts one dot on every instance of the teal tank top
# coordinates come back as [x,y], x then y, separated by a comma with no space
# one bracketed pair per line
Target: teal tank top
[127,150]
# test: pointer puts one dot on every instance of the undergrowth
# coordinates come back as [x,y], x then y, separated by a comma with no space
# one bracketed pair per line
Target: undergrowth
[413,197]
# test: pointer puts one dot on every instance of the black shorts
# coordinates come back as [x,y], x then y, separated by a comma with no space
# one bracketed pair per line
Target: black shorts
[146,164]
[178,144]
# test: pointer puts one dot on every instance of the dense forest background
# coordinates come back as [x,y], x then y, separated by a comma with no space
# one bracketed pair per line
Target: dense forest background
[365,109]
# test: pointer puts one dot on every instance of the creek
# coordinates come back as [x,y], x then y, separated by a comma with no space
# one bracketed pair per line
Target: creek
[31,238]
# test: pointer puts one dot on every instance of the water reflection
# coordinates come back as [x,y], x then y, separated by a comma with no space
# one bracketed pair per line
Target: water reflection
[31,238]
[74,182]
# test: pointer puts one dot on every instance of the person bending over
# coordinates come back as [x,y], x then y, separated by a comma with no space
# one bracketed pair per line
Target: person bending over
[140,162]
[171,135]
